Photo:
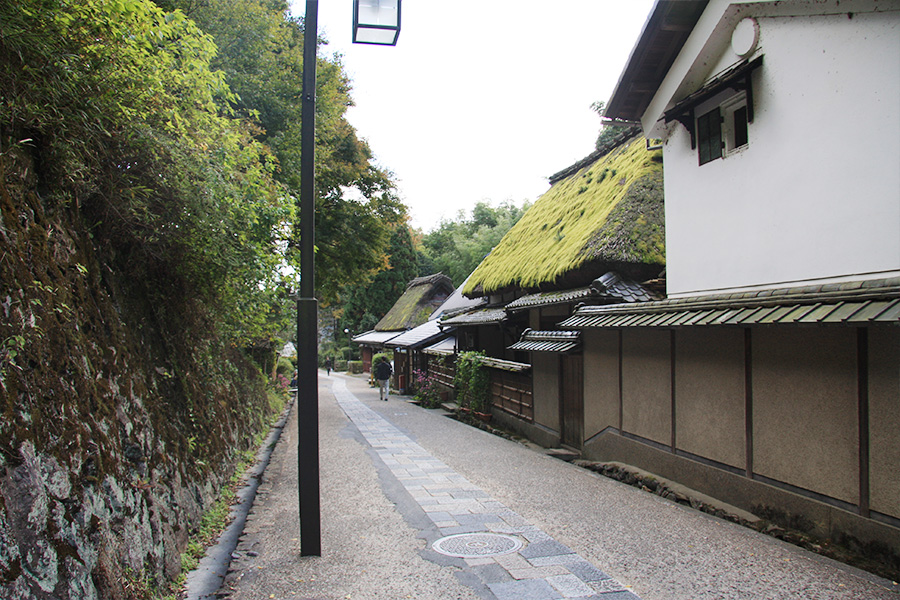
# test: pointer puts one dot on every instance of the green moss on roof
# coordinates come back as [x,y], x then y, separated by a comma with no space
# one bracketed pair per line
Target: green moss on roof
[422,296]
[609,211]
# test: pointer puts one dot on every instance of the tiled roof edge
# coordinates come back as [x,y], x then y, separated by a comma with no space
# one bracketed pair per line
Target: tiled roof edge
[852,290]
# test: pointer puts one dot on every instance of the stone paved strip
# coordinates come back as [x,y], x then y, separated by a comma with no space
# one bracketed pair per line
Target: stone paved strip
[543,569]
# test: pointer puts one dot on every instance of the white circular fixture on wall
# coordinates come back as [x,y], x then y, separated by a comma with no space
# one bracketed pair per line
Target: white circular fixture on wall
[745,37]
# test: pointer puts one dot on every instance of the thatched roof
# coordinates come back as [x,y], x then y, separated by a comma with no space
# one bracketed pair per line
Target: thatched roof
[600,215]
[422,297]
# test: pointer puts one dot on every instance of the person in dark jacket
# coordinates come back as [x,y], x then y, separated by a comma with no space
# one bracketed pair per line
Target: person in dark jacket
[383,375]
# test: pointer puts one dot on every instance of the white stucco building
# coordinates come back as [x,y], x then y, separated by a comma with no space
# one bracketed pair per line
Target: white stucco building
[806,192]
[770,375]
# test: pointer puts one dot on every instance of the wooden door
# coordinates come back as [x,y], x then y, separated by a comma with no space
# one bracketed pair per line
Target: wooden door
[571,399]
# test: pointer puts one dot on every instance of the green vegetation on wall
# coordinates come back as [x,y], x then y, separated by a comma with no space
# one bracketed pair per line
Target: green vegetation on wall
[147,209]
[472,381]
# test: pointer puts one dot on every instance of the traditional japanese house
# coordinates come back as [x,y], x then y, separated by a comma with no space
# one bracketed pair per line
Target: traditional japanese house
[590,239]
[423,296]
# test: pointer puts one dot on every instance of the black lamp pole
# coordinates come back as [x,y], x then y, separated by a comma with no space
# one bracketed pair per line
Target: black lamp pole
[307,308]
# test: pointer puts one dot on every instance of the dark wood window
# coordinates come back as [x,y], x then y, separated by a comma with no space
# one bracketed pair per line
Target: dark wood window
[739,126]
[709,136]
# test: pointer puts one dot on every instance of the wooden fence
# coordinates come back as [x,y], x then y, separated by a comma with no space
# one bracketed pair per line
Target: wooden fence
[511,391]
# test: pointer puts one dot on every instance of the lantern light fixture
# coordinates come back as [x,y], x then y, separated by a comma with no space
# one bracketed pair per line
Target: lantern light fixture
[376,22]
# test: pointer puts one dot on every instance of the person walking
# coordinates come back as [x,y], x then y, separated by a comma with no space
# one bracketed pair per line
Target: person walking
[383,375]
[329,363]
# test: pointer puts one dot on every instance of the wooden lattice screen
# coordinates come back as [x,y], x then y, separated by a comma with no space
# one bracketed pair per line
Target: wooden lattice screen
[441,370]
[511,392]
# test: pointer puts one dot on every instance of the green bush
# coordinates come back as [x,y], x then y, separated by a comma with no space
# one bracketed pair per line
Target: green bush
[340,365]
[377,358]
[284,367]
[472,381]
[355,366]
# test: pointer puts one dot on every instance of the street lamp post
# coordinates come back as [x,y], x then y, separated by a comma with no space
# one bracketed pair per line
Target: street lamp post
[307,309]
[374,22]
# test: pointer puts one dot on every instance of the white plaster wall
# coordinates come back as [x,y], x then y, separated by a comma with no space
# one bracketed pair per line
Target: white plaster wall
[816,194]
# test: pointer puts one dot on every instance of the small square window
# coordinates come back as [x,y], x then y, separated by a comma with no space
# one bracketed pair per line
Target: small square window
[736,119]
[739,127]
[724,129]
[709,136]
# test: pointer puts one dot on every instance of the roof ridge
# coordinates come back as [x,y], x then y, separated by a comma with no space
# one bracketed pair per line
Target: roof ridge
[619,140]
[429,279]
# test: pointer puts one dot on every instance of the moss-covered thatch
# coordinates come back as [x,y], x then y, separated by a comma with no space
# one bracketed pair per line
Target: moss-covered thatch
[422,297]
[605,216]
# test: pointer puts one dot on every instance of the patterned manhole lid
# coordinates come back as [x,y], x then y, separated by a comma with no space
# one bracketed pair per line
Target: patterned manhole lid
[467,545]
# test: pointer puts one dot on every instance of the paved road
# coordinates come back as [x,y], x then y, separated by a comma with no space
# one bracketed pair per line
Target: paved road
[397,478]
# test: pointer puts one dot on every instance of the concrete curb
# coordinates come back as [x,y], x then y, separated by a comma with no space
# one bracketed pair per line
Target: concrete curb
[204,582]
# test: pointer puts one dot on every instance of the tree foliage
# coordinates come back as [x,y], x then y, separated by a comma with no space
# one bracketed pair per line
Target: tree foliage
[456,247]
[127,120]
[261,53]
[366,304]
[175,129]
[607,133]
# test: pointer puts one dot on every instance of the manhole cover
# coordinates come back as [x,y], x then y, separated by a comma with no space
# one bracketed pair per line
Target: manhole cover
[467,545]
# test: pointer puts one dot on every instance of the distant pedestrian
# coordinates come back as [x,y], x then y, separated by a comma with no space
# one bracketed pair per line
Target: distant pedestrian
[383,375]
[329,362]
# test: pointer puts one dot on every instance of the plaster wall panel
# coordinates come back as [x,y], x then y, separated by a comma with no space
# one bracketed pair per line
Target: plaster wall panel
[545,367]
[884,420]
[785,194]
[805,412]
[709,394]
[647,384]
[601,381]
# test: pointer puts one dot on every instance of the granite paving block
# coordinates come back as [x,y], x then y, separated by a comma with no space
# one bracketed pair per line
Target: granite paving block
[540,572]
[606,586]
[525,589]
[480,560]
[471,494]
[440,516]
[577,565]
[461,529]
[586,571]
[512,561]
[570,586]
[445,524]
[557,559]
[491,573]
[416,482]
[545,548]
[475,519]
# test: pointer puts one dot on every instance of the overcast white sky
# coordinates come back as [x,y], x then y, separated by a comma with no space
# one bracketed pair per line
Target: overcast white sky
[482,99]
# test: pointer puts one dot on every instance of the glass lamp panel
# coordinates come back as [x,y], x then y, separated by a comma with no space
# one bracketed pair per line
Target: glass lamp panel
[375,36]
[376,22]
[378,12]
